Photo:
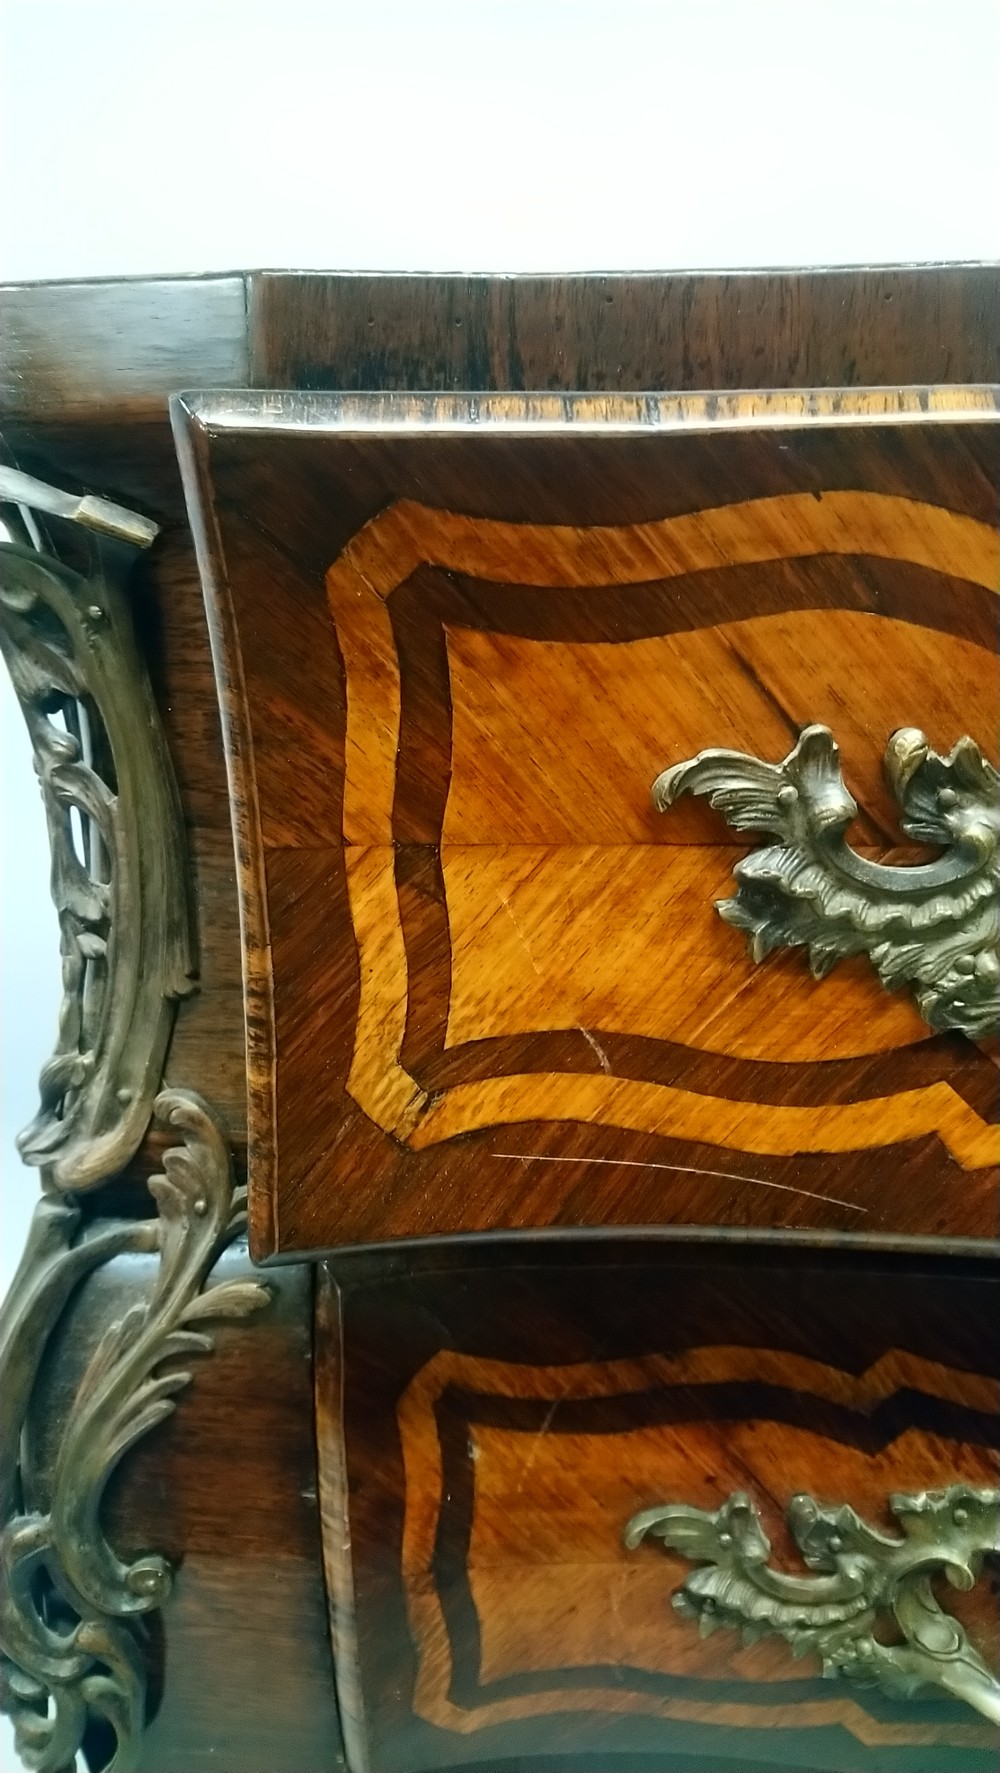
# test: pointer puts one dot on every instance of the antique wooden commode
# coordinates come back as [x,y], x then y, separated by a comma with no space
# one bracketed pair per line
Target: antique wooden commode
[595,1020]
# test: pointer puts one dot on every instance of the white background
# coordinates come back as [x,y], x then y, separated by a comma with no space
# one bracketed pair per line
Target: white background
[145,136]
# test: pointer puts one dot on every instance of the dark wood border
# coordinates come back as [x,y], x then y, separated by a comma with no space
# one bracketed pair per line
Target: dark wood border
[311,534]
[456,1410]
[400,1308]
[421,608]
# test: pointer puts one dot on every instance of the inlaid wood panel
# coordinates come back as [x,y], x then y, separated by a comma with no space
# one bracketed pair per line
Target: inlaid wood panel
[456,642]
[487,1428]
[89,367]
[549,1577]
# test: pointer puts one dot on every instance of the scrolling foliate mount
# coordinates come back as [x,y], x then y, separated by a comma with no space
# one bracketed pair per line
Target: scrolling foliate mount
[932,927]
[115,834]
[71,1611]
[862,1580]
[72,1645]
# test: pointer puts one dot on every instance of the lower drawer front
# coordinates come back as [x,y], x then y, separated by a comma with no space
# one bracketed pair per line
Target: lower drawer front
[488,1432]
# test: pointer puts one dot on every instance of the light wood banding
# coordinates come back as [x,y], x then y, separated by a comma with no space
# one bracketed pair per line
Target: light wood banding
[545,1563]
[538,603]
[390,1097]
[507,717]
[792,525]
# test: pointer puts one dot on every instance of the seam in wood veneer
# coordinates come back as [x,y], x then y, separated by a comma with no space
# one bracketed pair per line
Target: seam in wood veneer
[378,559]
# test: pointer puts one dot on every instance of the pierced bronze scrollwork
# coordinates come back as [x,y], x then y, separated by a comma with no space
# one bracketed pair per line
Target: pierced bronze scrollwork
[861,1578]
[933,927]
[116,838]
[70,1649]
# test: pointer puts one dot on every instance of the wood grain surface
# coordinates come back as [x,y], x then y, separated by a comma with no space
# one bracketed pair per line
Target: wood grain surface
[465,921]
[515,780]
[487,1426]
[608,940]
[881,326]
[120,347]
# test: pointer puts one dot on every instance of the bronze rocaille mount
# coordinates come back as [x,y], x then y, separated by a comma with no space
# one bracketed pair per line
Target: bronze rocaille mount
[933,927]
[70,1649]
[118,876]
[71,1644]
[861,1578]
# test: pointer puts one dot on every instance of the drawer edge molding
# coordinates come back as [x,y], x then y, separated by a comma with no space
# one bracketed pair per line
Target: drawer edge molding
[859,1578]
[933,927]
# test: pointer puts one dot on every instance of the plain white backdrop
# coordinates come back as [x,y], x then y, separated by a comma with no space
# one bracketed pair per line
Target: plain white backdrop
[141,136]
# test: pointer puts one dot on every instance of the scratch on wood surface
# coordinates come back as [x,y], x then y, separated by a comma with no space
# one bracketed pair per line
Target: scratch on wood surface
[631,1163]
[522,938]
[537,1439]
[596,1047]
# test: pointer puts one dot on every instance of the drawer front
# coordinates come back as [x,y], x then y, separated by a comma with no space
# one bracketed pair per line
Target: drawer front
[486,1438]
[488,986]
